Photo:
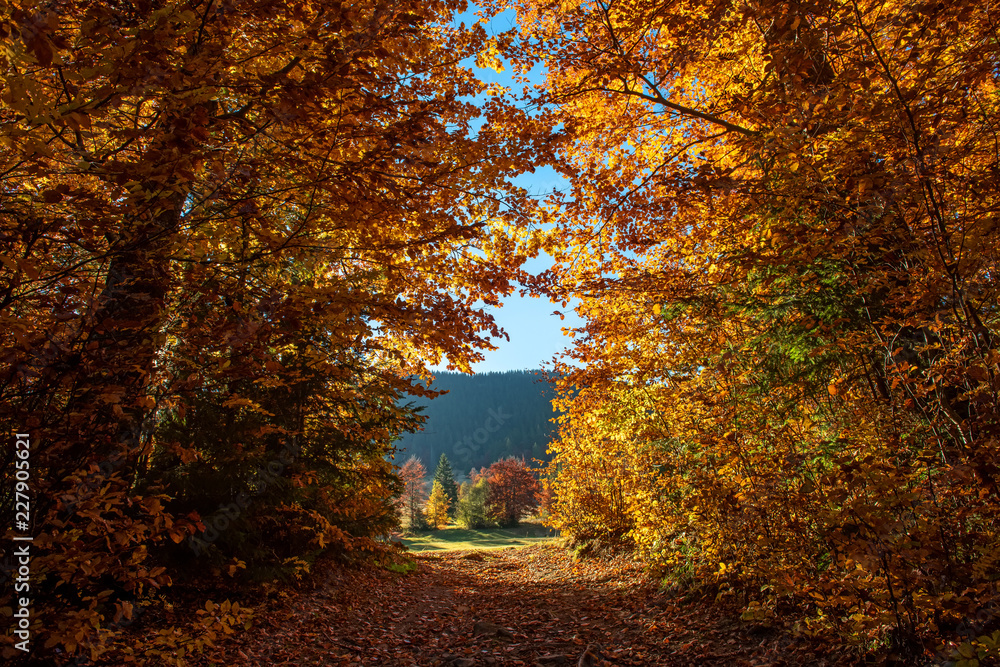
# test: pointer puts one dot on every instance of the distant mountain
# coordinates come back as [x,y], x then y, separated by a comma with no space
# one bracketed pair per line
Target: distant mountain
[483,418]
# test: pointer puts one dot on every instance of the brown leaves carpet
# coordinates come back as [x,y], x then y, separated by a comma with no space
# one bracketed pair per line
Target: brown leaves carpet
[529,606]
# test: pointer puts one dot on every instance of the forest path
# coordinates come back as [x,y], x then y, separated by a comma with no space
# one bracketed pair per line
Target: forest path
[529,606]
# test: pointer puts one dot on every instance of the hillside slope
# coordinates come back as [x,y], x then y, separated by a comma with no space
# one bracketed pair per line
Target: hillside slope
[483,418]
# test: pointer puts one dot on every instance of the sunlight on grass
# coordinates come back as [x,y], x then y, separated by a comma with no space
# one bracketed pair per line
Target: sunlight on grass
[454,538]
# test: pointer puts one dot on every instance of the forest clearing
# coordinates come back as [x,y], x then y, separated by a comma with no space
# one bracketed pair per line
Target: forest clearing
[458,538]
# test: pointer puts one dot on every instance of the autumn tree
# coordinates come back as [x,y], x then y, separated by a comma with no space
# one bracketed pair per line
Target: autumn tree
[780,232]
[437,507]
[414,493]
[257,225]
[512,491]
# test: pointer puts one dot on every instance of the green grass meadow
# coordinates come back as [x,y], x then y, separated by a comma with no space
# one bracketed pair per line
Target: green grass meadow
[454,538]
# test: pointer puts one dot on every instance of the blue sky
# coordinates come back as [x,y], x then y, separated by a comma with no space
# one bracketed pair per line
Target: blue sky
[536,333]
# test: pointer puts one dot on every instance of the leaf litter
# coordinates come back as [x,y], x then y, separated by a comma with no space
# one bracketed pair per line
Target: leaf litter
[533,606]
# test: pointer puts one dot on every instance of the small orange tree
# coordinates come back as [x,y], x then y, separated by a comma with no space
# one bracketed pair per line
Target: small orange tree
[436,510]
[412,475]
[513,491]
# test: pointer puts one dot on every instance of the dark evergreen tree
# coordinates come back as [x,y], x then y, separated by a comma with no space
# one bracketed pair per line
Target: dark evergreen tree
[446,478]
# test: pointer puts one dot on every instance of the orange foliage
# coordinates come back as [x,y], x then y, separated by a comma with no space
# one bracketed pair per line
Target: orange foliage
[513,491]
[413,478]
[225,227]
[436,510]
[782,232]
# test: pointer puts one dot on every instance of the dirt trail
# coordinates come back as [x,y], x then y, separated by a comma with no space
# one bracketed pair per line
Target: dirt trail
[528,606]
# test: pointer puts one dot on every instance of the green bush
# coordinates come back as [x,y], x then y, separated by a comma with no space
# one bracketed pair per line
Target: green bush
[471,509]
